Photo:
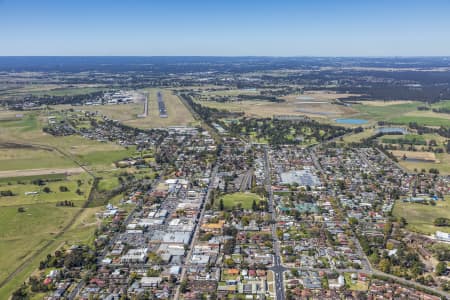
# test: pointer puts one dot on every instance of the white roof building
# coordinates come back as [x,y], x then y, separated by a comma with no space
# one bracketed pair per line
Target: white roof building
[135,256]
[442,236]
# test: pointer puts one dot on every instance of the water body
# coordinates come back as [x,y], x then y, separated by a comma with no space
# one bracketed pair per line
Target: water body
[305,98]
[400,130]
[351,121]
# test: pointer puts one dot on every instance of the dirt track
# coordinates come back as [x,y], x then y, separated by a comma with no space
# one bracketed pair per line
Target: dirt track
[35,172]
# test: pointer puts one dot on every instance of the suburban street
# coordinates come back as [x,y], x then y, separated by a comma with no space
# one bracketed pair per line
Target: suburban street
[196,232]
[277,268]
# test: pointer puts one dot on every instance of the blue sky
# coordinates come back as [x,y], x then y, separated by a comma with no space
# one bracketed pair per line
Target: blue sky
[228,27]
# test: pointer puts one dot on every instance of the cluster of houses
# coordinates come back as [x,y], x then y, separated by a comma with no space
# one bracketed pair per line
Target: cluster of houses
[312,236]
[144,251]
[234,252]
[379,289]
[111,97]
[235,171]
[178,242]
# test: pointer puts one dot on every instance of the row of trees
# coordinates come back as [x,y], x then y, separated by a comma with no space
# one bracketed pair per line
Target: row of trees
[55,100]
[281,132]
[206,113]
[7,193]
[441,222]
[65,203]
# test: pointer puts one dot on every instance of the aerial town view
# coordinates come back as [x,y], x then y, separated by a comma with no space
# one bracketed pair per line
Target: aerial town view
[216,160]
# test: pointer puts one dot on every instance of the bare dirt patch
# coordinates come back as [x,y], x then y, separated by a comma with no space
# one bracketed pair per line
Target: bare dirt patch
[416,155]
[384,103]
[35,172]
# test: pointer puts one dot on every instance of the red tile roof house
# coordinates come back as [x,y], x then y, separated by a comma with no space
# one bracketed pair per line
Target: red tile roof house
[47,281]
[97,282]
[233,272]
[362,277]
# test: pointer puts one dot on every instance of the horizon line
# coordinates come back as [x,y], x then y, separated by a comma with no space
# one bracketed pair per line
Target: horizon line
[243,56]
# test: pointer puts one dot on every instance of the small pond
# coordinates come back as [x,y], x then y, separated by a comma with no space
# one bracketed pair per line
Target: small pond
[351,121]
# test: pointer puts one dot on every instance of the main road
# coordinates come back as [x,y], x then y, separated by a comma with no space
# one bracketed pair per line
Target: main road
[277,268]
[187,262]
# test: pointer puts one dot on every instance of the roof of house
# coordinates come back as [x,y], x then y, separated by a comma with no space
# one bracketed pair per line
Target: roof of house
[233,271]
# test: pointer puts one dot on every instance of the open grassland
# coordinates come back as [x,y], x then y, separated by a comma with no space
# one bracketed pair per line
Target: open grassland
[320,106]
[9,115]
[315,105]
[29,153]
[132,113]
[68,91]
[24,146]
[422,120]
[73,183]
[30,158]
[419,140]
[26,238]
[120,112]
[177,112]
[13,180]
[245,200]
[228,92]
[28,131]
[429,114]
[420,217]
[412,138]
[80,232]
[39,172]
[403,112]
[53,90]
[101,160]
[419,155]
[385,112]
[28,88]
[442,104]
[358,137]
[24,123]
[384,103]
[24,233]
[442,164]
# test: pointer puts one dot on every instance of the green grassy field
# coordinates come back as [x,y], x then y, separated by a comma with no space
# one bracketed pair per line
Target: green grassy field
[14,180]
[402,113]
[428,121]
[19,190]
[357,137]
[68,91]
[178,114]
[357,285]
[420,217]
[53,90]
[411,138]
[80,232]
[245,199]
[24,233]
[443,165]
[29,158]
[106,157]
[442,104]
[25,123]
[385,113]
